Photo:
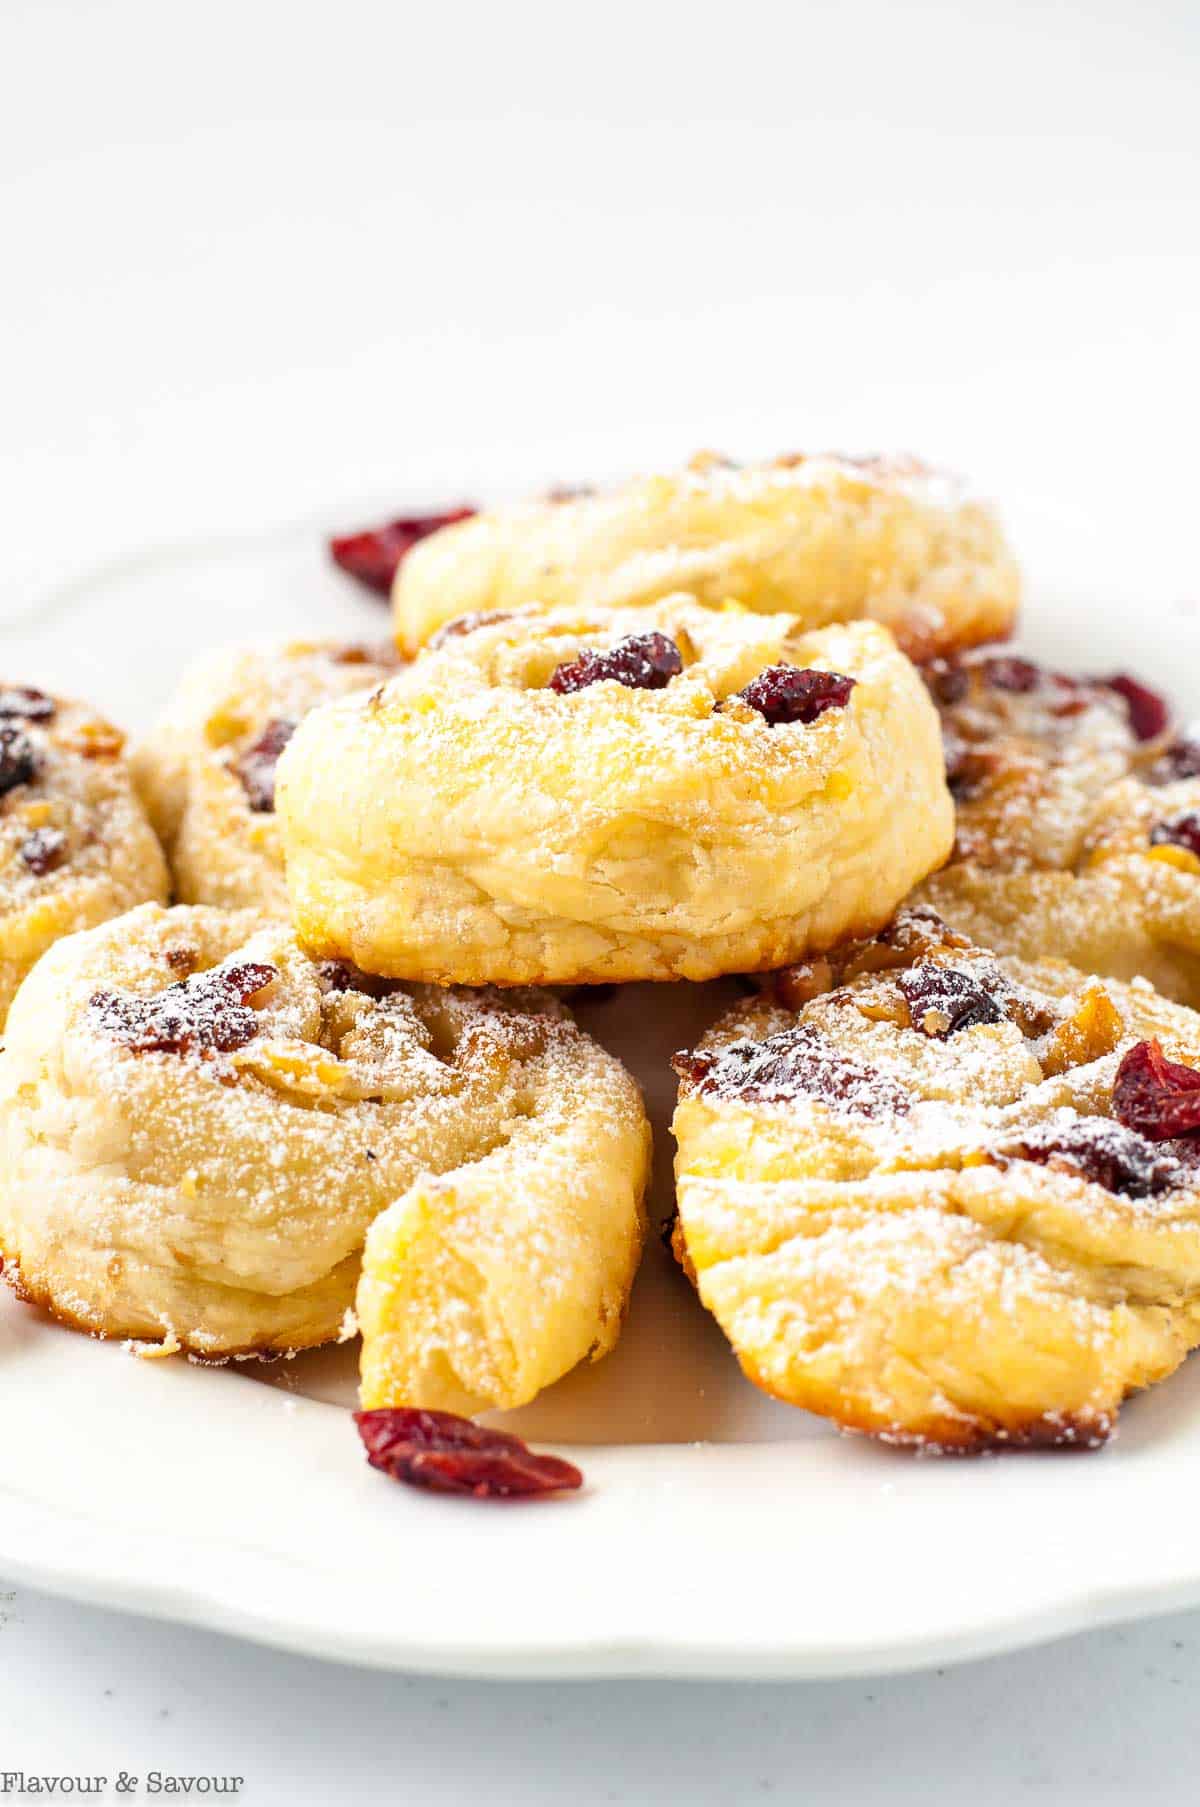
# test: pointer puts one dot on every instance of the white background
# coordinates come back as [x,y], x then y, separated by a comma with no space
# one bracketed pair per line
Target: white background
[262,261]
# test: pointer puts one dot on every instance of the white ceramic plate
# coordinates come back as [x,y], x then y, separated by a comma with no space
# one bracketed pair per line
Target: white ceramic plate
[719,1534]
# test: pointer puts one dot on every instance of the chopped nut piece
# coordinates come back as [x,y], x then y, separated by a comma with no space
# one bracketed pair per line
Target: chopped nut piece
[449,1454]
[97,740]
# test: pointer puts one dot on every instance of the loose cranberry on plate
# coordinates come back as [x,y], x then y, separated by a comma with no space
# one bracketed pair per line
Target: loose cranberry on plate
[447,1454]
[374,555]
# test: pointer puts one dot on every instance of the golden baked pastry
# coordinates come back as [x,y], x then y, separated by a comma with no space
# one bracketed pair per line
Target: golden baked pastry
[1078,830]
[661,793]
[824,538]
[207,769]
[483,1285]
[946,1199]
[200,1125]
[75,845]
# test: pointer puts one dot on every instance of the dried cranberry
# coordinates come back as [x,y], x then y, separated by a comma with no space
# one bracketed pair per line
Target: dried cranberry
[1180,760]
[43,850]
[18,759]
[374,556]
[29,705]
[786,693]
[1178,831]
[1104,1152]
[640,662]
[1160,1098]
[1149,714]
[256,766]
[1011,673]
[466,624]
[944,999]
[205,1015]
[449,1454]
[946,680]
[343,975]
[797,1061]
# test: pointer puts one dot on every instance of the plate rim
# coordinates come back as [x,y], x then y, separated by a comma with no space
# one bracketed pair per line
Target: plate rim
[118,1584]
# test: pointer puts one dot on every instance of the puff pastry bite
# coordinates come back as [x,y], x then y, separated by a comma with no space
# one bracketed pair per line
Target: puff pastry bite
[207,769]
[946,1199]
[645,794]
[75,845]
[200,1126]
[825,538]
[1078,821]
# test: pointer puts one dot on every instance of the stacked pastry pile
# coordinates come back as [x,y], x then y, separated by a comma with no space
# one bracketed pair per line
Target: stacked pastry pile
[699,725]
